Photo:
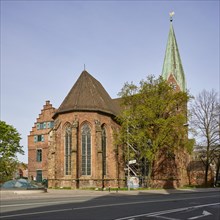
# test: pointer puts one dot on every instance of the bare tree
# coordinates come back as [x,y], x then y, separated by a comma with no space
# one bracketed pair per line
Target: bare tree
[205,121]
[217,156]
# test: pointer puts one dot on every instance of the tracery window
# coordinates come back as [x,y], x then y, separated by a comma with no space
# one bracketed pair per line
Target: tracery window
[68,149]
[86,150]
[104,150]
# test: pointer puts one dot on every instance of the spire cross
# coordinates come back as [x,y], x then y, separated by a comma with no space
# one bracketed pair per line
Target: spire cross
[171,15]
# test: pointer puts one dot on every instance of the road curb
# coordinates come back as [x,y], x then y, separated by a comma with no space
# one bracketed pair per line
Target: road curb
[54,193]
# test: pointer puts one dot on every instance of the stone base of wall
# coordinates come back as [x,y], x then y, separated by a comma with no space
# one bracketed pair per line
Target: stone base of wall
[116,183]
[86,183]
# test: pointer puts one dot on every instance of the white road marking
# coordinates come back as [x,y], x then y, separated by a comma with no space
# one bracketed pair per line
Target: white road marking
[41,203]
[204,213]
[140,202]
[163,217]
[114,204]
[153,214]
[35,213]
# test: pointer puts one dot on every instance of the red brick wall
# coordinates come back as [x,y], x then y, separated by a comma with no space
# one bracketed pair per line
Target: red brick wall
[45,116]
[196,173]
[173,81]
[170,170]
[57,171]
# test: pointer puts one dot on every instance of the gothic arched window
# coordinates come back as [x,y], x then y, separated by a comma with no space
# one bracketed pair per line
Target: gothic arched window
[104,150]
[86,150]
[68,149]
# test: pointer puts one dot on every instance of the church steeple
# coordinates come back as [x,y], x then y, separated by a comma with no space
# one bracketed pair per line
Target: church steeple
[172,66]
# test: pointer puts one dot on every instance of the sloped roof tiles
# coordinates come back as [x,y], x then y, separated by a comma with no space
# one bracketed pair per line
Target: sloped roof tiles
[88,94]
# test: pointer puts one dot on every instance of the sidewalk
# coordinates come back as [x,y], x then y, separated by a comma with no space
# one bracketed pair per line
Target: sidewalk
[63,193]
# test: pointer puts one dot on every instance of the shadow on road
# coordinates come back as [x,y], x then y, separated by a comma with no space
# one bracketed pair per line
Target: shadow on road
[98,205]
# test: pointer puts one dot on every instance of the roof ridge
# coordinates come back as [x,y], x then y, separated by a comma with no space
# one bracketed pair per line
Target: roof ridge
[88,94]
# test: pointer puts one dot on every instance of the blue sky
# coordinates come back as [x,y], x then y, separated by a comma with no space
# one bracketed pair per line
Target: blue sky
[45,44]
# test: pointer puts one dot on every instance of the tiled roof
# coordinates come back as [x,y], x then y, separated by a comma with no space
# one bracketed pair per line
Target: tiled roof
[88,94]
[172,62]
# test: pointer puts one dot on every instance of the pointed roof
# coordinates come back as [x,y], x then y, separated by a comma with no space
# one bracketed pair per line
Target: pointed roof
[172,66]
[88,94]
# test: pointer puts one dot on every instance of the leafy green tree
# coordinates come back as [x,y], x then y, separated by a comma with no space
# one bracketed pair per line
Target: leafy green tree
[153,118]
[9,147]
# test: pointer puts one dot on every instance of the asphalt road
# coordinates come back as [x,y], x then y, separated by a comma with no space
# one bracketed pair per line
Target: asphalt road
[115,206]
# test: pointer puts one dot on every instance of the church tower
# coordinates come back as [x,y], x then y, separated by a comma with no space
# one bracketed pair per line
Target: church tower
[172,66]
[170,168]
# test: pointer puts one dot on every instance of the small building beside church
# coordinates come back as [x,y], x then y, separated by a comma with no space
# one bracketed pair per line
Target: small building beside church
[73,146]
[38,144]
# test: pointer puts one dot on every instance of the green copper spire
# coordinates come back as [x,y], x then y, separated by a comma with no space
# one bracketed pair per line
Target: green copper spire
[172,66]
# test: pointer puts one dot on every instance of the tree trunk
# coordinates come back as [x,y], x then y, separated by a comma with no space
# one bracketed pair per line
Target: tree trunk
[217,170]
[149,175]
[206,173]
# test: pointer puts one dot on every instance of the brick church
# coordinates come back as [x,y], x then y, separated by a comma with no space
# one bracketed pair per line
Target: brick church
[73,146]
